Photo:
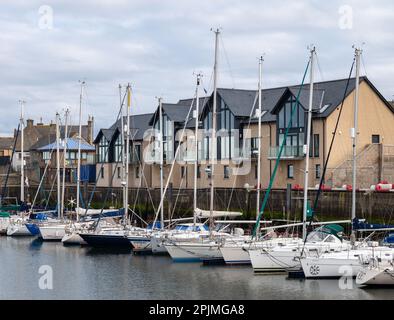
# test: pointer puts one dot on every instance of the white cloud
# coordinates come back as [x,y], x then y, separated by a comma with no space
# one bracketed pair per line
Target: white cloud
[157,45]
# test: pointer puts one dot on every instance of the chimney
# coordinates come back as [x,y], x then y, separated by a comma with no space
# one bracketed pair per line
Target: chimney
[90,129]
[29,123]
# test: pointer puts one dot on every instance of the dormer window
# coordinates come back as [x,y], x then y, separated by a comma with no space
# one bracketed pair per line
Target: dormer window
[295,139]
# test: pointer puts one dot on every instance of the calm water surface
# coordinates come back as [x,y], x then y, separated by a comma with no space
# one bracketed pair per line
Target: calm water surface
[85,273]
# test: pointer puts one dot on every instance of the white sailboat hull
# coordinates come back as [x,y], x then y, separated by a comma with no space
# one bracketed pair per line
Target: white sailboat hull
[270,261]
[330,268]
[238,253]
[18,229]
[380,276]
[73,238]
[193,252]
[141,243]
[53,232]
[338,264]
[235,254]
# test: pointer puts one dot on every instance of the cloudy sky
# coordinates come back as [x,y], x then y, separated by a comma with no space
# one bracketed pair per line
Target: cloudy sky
[157,45]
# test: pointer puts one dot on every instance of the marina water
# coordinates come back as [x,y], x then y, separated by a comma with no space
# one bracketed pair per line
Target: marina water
[86,273]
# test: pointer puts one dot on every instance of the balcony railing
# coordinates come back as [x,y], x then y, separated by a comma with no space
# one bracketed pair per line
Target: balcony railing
[289,152]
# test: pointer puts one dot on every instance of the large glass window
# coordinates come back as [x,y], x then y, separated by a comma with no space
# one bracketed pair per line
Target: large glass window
[295,137]
[118,149]
[102,152]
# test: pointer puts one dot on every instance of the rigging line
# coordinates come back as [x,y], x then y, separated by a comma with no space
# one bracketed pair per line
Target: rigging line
[319,67]
[102,164]
[267,192]
[363,63]
[109,191]
[243,147]
[332,141]
[173,161]
[10,164]
[144,177]
[227,60]
[177,196]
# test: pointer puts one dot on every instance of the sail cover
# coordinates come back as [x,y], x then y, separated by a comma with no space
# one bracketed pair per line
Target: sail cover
[216,214]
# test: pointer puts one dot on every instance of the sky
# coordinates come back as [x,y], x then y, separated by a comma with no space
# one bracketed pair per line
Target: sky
[158,46]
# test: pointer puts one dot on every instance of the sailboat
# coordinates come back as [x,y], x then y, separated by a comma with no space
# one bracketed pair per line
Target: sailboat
[329,265]
[17,224]
[323,239]
[115,235]
[205,246]
[155,240]
[376,270]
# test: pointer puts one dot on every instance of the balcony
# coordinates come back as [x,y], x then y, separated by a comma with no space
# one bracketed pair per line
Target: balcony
[288,153]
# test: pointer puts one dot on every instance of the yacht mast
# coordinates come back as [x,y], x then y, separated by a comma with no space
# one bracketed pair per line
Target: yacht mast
[308,141]
[127,129]
[22,198]
[213,138]
[79,149]
[58,165]
[122,133]
[259,112]
[354,132]
[161,161]
[196,152]
[64,161]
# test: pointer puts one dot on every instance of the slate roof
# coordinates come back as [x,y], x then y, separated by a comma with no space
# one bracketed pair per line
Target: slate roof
[38,136]
[139,123]
[72,144]
[6,143]
[327,96]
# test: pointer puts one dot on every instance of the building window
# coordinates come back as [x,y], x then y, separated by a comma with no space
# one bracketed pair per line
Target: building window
[198,171]
[102,150]
[318,171]
[183,171]
[316,145]
[46,155]
[118,170]
[290,171]
[102,173]
[294,141]
[136,156]
[375,138]
[118,149]
[226,172]
[137,172]
[255,171]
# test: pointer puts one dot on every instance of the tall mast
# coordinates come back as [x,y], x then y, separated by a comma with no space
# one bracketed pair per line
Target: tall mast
[308,141]
[122,133]
[354,131]
[79,149]
[127,129]
[58,164]
[64,161]
[259,112]
[22,198]
[161,161]
[213,142]
[196,152]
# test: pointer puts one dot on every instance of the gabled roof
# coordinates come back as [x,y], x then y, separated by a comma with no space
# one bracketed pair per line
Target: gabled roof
[72,144]
[139,123]
[108,134]
[328,95]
